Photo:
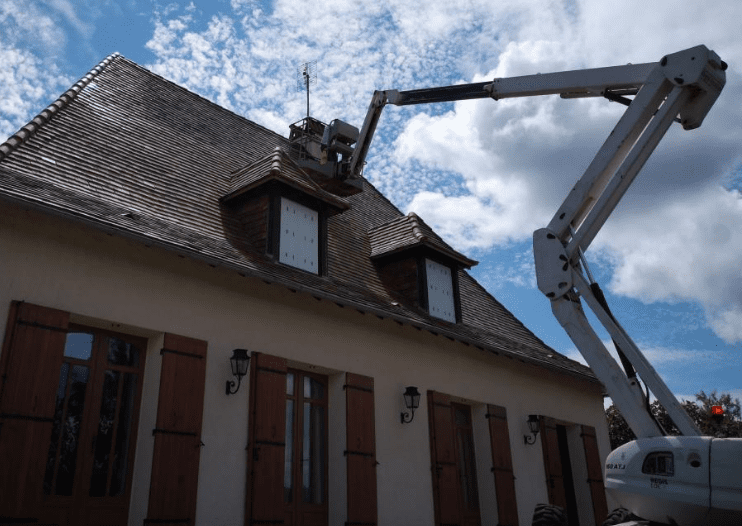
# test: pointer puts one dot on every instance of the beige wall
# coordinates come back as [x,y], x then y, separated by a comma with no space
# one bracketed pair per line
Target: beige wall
[118,284]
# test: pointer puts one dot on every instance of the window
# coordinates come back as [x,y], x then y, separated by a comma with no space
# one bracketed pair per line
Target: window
[97,403]
[305,453]
[299,236]
[659,463]
[465,459]
[441,297]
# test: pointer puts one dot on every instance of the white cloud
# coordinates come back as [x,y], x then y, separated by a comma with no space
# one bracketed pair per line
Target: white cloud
[507,164]
[27,82]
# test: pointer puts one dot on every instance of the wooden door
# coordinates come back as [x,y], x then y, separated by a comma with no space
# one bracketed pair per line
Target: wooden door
[502,466]
[455,488]
[305,478]
[91,450]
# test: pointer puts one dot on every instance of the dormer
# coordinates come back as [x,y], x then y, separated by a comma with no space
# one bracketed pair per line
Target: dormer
[276,209]
[418,267]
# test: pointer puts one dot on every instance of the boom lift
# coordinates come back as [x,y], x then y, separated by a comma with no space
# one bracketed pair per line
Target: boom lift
[688,480]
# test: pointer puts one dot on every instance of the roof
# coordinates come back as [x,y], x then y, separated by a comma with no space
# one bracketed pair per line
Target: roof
[408,232]
[130,153]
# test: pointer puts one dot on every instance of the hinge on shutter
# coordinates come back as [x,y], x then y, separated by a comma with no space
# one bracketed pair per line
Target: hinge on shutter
[41,326]
[15,416]
[181,353]
[172,432]
[166,521]
[358,388]
[360,453]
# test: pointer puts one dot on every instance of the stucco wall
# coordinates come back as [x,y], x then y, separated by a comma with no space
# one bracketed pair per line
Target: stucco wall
[114,283]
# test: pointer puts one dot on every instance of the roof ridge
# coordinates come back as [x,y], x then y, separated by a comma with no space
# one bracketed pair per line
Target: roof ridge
[46,115]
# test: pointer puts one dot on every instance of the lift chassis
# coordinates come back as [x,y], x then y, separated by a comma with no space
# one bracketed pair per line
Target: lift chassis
[696,479]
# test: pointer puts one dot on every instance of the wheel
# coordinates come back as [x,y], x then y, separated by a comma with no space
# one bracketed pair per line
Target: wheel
[549,515]
[618,516]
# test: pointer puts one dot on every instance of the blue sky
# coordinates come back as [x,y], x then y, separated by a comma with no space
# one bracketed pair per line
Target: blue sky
[485,174]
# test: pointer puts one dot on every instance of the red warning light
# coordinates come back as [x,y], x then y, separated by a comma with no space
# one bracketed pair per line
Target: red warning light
[717,410]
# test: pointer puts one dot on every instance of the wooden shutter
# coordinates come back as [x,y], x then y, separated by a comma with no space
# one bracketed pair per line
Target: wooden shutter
[29,377]
[177,449]
[552,462]
[443,458]
[266,435]
[361,450]
[502,466]
[594,474]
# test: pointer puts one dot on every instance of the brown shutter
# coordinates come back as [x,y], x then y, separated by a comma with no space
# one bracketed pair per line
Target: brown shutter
[174,482]
[552,462]
[502,466]
[443,457]
[266,435]
[361,449]
[594,474]
[29,376]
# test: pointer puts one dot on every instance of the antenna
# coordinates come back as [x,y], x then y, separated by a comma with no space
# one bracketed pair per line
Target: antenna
[307,76]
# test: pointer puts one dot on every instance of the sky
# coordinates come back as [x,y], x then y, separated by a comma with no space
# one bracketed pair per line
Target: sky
[484,174]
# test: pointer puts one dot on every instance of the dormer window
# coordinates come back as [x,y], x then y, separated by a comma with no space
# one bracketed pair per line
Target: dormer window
[418,267]
[441,297]
[298,243]
[277,210]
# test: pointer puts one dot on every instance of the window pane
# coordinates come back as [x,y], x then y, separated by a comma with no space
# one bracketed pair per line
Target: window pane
[290,384]
[78,345]
[469,489]
[122,353]
[78,382]
[123,433]
[288,484]
[104,440]
[313,454]
[51,459]
[313,389]
[463,418]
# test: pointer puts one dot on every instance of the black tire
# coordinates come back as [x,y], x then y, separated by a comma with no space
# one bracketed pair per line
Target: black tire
[549,515]
[618,516]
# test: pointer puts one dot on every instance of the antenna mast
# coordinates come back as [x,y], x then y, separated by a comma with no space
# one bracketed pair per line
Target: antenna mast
[307,76]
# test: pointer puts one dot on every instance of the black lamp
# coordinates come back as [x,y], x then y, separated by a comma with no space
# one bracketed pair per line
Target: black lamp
[239,362]
[533,426]
[411,402]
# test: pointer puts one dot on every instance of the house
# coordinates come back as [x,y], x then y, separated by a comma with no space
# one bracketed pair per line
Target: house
[147,233]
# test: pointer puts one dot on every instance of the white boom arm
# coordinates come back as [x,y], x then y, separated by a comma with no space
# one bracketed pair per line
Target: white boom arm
[681,87]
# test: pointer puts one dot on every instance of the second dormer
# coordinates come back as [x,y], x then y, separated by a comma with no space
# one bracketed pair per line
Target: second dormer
[274,208]
[418,267]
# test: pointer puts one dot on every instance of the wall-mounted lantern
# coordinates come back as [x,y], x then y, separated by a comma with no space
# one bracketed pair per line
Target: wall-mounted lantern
[239,362]
[534,425]
[411,402]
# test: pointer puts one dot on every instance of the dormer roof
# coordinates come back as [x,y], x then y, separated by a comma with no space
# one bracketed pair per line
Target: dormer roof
[278,166]
[409,232]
